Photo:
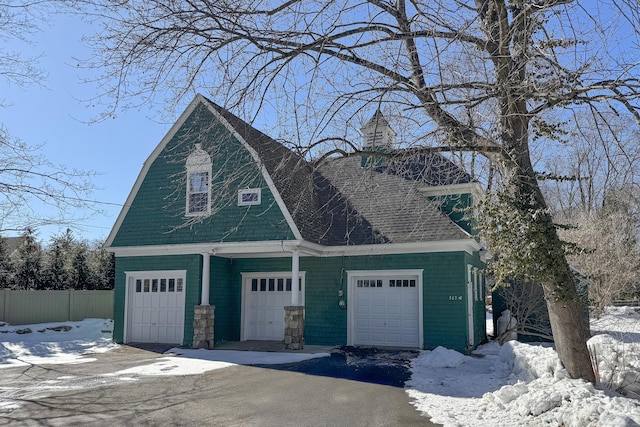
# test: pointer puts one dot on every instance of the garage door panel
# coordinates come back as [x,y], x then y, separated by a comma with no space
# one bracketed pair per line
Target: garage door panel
[386,311]
[156,312]
[264,302]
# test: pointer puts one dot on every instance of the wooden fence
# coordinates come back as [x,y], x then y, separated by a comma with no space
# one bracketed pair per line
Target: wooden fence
[27,307]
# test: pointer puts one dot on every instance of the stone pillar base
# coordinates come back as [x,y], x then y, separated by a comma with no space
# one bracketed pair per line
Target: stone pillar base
[203,320]
[294,327]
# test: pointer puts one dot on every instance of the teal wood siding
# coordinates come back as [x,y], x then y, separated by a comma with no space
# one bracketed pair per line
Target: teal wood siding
[157,213]
[325,321]
[191,263]
[226,295]
[444,280]
[444,304]
[457,207]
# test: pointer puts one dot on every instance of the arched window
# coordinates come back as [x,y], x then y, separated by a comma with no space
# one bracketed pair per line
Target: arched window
[198,182]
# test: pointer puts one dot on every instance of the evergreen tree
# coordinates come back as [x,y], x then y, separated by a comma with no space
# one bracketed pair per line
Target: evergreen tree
[56,275]
[6,266]
[102,268]
[81,273]
[29,262]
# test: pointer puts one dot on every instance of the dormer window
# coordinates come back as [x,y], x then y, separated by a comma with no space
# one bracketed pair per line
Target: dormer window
[198,182]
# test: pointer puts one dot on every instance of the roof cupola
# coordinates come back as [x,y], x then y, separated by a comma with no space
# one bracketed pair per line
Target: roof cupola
[377,136]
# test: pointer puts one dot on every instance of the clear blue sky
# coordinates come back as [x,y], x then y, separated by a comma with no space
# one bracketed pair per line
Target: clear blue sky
[54,115]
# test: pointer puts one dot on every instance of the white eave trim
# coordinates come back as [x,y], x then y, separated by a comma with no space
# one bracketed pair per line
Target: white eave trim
[199,99]
[473,188]
[145,168]
[278,248]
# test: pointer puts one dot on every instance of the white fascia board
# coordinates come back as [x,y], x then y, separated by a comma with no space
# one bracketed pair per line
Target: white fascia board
[263,170]
[145,168]
[461,245]
[473,188]
[277,249]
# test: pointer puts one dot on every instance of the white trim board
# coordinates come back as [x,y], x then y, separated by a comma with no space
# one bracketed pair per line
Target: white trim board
[283,248]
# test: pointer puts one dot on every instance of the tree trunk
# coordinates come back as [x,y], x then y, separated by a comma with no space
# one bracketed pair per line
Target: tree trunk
[563,302]
[569,335]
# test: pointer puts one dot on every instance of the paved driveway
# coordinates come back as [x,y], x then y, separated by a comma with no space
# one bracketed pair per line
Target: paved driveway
[63,395]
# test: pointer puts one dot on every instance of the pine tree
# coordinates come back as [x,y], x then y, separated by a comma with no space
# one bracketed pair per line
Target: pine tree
[7,280]
[29,262]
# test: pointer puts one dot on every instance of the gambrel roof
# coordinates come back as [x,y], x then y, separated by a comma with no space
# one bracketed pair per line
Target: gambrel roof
[335,202]
[338,202]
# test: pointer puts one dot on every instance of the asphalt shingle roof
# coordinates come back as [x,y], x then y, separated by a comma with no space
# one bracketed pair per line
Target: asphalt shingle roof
[393,205]
[341,203]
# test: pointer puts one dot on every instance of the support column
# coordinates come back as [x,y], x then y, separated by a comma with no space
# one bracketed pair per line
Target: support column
[295,278]
[204,314]
[203,322]
[294,327]
[294,314]
[206,262]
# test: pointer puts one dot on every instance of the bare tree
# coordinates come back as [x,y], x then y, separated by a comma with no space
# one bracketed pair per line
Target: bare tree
[595,197]
[589,170]
[526,306]
[607,250]
[19,20]
[479,76]
[30,183]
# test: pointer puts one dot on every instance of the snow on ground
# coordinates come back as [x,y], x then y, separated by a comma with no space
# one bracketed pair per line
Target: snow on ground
[54,343]
[523,384]
[68,342]
[516,384]
[193,362]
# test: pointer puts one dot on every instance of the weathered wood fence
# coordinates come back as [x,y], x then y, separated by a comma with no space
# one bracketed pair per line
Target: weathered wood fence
[27,307]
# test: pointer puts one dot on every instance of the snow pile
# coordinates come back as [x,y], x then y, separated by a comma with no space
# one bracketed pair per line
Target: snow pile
[525,385]
[440,358]
[516,384]
[617,364]
[54,343]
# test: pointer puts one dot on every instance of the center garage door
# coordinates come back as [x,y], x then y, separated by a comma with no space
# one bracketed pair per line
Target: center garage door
[155,307]
[384,309]
[264,297]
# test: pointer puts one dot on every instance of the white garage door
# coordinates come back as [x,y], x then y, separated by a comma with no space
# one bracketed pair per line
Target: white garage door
[264,300]
[386,311]
[156,307]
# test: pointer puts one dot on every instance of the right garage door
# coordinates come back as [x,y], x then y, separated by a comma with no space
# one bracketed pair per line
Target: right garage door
[385,310]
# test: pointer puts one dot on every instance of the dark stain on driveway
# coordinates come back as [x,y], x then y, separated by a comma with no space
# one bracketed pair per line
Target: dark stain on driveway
[372,365]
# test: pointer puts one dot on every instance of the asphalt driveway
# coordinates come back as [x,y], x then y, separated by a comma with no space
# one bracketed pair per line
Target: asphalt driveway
[339,392]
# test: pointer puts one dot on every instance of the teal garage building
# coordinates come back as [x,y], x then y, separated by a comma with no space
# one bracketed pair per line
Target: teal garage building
[228,235]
